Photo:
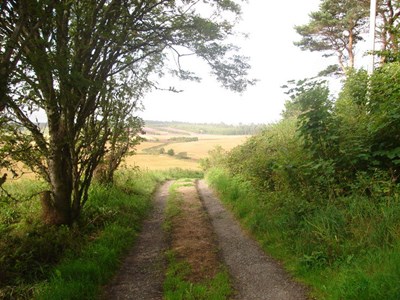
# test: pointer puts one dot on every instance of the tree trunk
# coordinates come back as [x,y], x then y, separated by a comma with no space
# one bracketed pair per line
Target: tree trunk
[60,174]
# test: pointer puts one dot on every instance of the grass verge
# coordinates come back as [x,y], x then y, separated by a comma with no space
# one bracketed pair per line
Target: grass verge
[345,250]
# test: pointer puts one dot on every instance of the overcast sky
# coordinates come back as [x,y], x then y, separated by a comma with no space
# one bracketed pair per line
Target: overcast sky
[274,60]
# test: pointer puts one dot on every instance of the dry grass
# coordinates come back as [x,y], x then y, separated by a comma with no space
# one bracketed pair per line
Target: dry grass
[195,151]
[192,238]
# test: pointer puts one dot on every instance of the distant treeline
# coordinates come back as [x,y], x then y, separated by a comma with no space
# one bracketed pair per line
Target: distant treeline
[206,128]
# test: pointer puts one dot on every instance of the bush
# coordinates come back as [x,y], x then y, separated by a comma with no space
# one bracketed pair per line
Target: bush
[182,155]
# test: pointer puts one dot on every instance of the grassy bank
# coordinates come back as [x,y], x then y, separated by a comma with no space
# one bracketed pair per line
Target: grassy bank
[44,262]
[344,249]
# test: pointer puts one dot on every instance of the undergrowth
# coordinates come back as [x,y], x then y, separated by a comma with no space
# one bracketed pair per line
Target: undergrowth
[347,249]
[43,262]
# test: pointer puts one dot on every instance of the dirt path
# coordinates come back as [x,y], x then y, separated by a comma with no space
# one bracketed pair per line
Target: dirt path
[255,275]
[192,239]
[142,273]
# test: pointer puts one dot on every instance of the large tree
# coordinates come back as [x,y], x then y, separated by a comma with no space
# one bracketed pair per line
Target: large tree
[66,57]
[335,29]
[389,30]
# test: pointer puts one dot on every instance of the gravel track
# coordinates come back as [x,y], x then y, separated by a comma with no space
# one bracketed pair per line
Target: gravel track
[255,275]
[142,273]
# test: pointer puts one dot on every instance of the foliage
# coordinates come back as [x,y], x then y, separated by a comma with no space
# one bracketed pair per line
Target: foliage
[86,66]
[335,29]
[338,26]
[171,152]
[320,189]
[206,128]
[183,139]
[384,118]
[388,30]
[342,249]
[215,157]
[182,155]
[71,262]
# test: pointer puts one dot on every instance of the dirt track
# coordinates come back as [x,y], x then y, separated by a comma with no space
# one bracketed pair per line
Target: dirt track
[255,275]
[142,273]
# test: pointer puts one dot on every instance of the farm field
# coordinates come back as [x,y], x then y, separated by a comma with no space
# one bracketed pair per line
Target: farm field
[148,155]
[167,138]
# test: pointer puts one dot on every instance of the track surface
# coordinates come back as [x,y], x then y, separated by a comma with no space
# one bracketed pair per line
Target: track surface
[254,274]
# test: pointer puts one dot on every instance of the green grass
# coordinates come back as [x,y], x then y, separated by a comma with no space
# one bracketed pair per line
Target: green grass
[347,249]
[177,288]
[72,262]
[173,207]
[44,262]
[120,209]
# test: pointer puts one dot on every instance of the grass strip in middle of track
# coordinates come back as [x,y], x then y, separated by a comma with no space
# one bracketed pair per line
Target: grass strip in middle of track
[194,269]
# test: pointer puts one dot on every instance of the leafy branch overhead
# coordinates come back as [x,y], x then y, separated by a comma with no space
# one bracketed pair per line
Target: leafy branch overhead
[86,65]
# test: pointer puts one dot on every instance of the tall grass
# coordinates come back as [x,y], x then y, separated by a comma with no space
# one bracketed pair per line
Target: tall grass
[348,249]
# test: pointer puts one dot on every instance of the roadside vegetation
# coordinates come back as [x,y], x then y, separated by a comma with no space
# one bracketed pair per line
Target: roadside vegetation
[320,189]
[194,270]
[42,262]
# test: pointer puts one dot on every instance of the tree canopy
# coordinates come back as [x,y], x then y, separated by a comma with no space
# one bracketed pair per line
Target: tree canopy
[335,29]
[87,64]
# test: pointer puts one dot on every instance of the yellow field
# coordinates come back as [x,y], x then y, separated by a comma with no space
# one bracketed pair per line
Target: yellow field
[195,151]
[160,162]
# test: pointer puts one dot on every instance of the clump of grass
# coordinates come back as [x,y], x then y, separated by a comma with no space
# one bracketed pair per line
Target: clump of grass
[177,287]
[173,207]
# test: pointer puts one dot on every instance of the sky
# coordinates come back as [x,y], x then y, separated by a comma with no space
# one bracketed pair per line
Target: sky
[274,60]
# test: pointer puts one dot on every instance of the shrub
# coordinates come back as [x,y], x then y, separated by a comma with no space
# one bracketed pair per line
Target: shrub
[182,155]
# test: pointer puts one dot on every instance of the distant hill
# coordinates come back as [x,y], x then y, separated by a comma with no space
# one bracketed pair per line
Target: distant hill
[206,128]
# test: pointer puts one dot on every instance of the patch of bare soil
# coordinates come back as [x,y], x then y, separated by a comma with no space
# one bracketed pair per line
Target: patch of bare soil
[192,238]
